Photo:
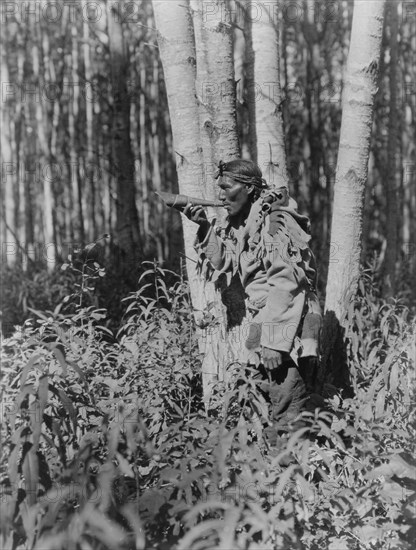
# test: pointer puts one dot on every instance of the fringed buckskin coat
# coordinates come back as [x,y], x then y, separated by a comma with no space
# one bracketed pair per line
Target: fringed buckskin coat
[270,252]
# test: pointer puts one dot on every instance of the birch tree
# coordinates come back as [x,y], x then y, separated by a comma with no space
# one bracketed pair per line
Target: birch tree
[218,92]
[74,153]
[215,90]
[391,169]
[177,52]
[48,154]
[212,346]
[204,132]
[264,92]
[191,119]
[360,87]
[127,218]
[8,169]
[89,115]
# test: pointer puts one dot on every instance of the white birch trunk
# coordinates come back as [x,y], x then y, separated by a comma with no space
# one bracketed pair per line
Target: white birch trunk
[214,345]
[351,173]
[8,173]
[177,52]
[191,119]
[19,133]
[266,94]
[218,91]
[205,116]
[47,198]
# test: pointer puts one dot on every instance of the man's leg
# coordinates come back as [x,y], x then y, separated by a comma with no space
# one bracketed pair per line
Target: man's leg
[287,393]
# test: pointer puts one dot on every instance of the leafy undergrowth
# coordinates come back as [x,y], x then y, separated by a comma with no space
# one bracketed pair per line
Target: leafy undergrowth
[108,443]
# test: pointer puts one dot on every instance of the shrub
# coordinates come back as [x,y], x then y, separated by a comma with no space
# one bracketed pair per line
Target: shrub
[108,444]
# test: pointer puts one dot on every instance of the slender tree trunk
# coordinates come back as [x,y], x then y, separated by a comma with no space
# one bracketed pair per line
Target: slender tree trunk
[127,224]
[136,136]
[177,52]
[283,45]
[219,91]
[351,173]
[265,95]
[410,175]
[143,152]
[89,186]
[31,158]
[18,143]
[135,145]
[8,169]
[239,47]
[315,98]
[251,85]
[408,226]
[75,159]
[204,107]
[48,149]
[157,183]
[391,180]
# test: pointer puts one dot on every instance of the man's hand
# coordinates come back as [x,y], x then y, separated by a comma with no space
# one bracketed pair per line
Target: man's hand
[272,359]
[196,214]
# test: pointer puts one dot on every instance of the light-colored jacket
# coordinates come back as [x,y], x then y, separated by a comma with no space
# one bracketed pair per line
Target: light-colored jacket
[271,254]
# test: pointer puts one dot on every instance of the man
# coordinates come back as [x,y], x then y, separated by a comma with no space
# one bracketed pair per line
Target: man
[265,241]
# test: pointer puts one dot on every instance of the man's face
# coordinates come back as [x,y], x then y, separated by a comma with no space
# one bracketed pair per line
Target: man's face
[234,195]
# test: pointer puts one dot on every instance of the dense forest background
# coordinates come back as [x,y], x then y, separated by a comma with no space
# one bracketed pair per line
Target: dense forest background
[72,92]
[111,440]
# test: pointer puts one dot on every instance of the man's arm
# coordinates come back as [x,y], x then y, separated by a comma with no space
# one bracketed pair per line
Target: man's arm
[209,245]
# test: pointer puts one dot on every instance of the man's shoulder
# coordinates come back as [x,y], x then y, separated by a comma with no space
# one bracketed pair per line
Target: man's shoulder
[276,213]
[281,218]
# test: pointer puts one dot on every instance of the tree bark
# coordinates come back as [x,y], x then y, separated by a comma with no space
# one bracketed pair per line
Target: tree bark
[215,347]
[154,147]
[351,173]
[18,146]
[177,52]
[8,168]
[75,160]
[89,175]
[47,146]
[218,92]
[265,93]
[312,101]
[127,223]
[204,132]
[391,182]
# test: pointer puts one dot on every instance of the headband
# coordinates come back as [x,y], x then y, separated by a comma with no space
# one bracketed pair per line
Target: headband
[257,181]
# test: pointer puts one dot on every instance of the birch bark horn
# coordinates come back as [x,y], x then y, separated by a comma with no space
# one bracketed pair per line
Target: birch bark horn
[180,201]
